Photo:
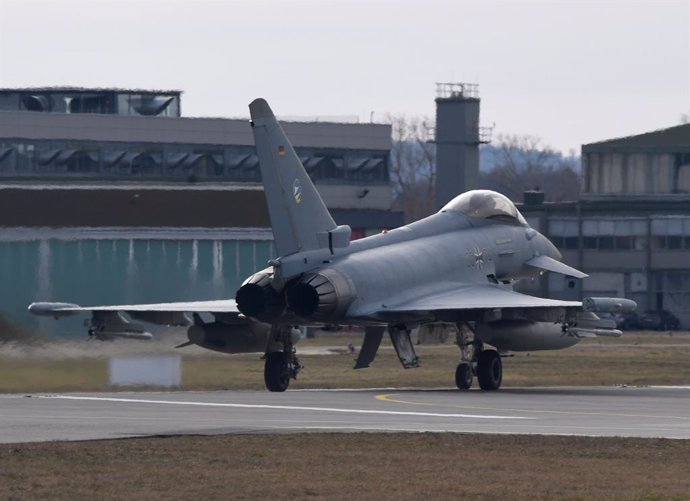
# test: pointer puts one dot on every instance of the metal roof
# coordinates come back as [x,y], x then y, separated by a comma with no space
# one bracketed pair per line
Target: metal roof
[32,126]
[614,205]
[672,139]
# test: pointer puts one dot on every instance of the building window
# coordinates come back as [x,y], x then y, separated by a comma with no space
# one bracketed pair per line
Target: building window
[614,234]
[236,163]
[670,233]
[7,152]
[25,159]
[606,242]
[624,243]
[60,158]
[590,243]
[564,233]
[146,163]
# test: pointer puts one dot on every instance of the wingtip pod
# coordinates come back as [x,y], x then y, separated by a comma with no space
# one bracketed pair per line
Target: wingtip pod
[259,108]
[52,309]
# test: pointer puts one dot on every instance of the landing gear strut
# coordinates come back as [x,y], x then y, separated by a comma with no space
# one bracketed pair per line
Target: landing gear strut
[469,350]
[474,359]
[280,366]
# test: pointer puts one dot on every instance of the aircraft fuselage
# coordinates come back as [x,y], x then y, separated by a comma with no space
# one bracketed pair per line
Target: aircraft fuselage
[442,251]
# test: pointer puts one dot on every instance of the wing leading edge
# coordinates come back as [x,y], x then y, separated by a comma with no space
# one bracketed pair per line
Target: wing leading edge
[66,309]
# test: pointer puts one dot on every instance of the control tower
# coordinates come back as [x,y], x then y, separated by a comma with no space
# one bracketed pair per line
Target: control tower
[458,137]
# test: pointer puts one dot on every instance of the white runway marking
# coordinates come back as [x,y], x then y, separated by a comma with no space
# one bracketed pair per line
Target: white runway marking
[281,407]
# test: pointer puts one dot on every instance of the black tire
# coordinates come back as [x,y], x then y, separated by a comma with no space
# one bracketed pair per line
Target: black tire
[277,371]
[489,370]
[463,376]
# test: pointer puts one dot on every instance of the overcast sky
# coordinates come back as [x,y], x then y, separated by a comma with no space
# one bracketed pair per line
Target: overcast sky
[569,72]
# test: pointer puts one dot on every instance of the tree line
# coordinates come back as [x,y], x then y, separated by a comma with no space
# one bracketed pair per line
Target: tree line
[511,165]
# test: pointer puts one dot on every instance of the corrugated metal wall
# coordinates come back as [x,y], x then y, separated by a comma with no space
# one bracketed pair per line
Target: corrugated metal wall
[91,271]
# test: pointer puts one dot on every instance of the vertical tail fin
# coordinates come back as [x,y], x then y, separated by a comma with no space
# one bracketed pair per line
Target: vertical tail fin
[299,218]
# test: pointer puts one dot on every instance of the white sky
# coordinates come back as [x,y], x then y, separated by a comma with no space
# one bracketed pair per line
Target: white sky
[569,72]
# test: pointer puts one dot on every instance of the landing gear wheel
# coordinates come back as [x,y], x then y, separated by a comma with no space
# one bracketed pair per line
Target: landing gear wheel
[277,371]
[463,376]
[489,370]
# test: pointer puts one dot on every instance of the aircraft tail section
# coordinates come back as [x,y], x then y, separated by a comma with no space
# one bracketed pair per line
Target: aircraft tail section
[299,217]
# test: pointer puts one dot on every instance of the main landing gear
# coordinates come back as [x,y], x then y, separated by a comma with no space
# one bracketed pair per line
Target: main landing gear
[280,362]
[489,370]
[475,360]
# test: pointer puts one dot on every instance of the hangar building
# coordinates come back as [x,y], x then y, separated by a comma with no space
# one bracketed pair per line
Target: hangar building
[630,230]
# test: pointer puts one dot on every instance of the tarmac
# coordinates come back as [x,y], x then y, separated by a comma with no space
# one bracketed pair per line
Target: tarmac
[588,411]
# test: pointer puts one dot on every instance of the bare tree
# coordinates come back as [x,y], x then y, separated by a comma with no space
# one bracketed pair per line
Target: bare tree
[413,165]
[522,163]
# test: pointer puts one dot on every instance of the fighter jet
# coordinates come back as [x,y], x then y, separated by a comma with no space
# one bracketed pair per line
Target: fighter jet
[458,266]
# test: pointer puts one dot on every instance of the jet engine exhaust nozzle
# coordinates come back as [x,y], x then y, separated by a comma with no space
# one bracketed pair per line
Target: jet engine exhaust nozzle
[324,295]
[250,300]
[257,299]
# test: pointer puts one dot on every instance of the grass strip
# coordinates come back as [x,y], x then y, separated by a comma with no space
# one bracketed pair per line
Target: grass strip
[348,466]
[651,359]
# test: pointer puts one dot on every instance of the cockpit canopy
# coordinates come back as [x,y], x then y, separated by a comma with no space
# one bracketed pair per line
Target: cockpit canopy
[486,204]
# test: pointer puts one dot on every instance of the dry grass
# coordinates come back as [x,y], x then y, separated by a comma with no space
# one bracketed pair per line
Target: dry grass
[637,359]
[41,375]
[348,466]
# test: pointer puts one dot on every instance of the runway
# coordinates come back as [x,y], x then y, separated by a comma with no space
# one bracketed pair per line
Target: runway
[592,411]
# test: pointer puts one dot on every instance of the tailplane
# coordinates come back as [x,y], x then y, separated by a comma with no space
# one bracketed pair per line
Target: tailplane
[300,219]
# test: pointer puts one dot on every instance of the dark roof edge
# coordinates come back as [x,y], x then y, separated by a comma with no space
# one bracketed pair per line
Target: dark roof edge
[634,139]
[58,88]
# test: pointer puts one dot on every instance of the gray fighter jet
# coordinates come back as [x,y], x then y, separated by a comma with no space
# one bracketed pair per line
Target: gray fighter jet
[457,266]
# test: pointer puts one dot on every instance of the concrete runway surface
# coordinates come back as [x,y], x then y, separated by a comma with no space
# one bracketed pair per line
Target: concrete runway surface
[594,411]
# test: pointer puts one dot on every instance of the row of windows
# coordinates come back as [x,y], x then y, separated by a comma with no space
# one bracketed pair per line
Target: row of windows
[676,225]
[101,102]
[126,160]
[671,242]
[609,242]
[595,227]
[671,226]
[628,243]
